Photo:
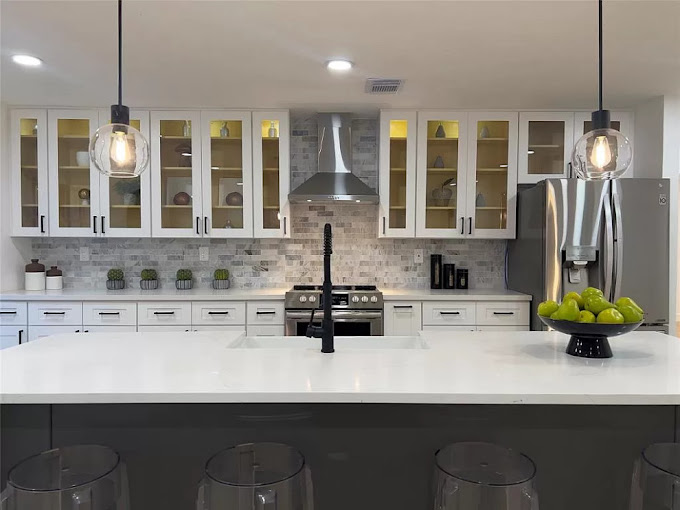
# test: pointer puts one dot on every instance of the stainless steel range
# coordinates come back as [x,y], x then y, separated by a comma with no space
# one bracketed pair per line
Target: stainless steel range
[357,310]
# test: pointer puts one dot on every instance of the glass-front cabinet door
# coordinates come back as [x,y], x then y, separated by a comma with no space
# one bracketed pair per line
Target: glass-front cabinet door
[492,170]
[546,140]
[397,174]
[441,174]
[271,174]
[227,174]
[125,204]
[29,196]
[176,174]
[621,121]
[73,179]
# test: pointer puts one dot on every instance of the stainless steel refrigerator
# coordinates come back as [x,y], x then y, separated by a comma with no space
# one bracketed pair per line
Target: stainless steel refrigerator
[614,235]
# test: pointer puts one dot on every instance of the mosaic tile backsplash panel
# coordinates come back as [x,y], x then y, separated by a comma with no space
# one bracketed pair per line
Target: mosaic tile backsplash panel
[360,257]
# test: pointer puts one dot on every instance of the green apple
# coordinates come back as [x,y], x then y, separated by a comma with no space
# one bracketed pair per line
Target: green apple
[626,301]
[597,304]
[547,308]
[610,316]
[568,311]
[630,313]
[576,297]
[591,291]
[586,316]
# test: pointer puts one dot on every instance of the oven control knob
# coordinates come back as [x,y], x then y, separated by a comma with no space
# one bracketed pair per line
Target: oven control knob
[303,299]
[355,299]
[364,299]
[374,299]
[312,299]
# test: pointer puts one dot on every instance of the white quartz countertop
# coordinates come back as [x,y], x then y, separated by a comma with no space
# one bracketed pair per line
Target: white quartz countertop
[457,368]
[203,294]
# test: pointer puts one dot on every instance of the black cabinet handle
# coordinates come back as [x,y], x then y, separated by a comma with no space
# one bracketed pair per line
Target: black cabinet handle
[462,226]
[7,313]
[103,231]
[402,306]
[384,222]
[198,225]
[42,224]
[109,313]
[470,228]
[218,313]
[20,332]
[54,313]
[205,225]
[94,224]
[504,313]
[270,312]
[77,331]
[449,313]
[285,224]
[164,313]
[86,331]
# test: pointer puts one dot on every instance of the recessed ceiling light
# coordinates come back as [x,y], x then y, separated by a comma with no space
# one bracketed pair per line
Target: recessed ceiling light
[26,60]
[339,65]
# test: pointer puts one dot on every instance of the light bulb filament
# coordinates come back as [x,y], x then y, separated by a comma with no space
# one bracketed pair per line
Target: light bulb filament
[120,150]
[601,154]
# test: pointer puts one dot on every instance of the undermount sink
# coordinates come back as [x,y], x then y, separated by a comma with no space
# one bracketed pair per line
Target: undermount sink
[341,342]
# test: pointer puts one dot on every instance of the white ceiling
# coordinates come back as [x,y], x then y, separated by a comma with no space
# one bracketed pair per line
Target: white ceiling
[261,54]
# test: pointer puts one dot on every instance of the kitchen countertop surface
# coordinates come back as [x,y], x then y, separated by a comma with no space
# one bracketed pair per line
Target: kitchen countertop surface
[456,368]
[203,294]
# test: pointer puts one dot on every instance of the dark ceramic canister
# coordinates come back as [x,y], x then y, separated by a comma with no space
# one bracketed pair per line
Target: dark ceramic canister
[436,271]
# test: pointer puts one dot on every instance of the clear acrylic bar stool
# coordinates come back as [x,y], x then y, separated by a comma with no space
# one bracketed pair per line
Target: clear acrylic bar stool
[82,477]
[256,476]
[483,476]
[656,478]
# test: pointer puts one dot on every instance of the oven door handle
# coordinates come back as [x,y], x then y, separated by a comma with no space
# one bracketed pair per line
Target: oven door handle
[337,314]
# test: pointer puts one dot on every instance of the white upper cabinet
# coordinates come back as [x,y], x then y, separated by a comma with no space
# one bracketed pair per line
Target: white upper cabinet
[125,204]
[74,207]
[271,173]
[441,174]
[492,173]
[227,174]
[176,174]
[621,121]
[397,173]
[546,140]
[29,174]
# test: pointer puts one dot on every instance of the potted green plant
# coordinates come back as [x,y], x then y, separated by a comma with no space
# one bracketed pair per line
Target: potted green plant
[221,279]
[184,279]
[129,190]
[115,279]
[149,279]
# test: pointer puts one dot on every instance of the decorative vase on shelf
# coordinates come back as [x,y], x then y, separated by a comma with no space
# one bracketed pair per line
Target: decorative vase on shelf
[438,162]
[440,133]
[130,199]
[272,130]
[234,198]
[480,201]
[224,130]
[484,133]
[186,129]
[84,195]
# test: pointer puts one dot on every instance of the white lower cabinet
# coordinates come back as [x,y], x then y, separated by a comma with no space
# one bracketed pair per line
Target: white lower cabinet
[12,335]
[403,318]
[109,329]
[218,328]
[222,313]
[503,328]
[109,313]
[266,313]
[13,313]
[265,330]
[502,313]
[163,329]
[35,332]
[55,313]
[444,329]
[449,313]
[164,313]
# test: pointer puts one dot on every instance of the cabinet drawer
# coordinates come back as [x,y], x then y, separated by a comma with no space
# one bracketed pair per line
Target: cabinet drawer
[441,313]
[444,329]
[164,313]
[13,313]
[12,335]
[503,328]
[218,327]
[35,332]
[62,313]
[266,312]
[266,330]
[109,329]
[109,313]
[502,313]
[218,312]
[164,329]
[403,318]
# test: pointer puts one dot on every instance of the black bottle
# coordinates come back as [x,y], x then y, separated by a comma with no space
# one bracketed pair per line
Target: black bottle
[462,279]
[449,276]
[436,276]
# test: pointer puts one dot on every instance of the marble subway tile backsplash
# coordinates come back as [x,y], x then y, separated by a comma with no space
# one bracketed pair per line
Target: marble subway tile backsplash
[359,256]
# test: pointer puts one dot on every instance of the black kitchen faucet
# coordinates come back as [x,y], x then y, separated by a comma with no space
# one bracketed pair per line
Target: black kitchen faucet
[325,331]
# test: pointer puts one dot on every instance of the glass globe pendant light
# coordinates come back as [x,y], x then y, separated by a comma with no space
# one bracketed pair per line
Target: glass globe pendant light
[603,153]
[118,149]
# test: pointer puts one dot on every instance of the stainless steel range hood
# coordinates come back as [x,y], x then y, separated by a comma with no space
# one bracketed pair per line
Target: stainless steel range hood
[334,182]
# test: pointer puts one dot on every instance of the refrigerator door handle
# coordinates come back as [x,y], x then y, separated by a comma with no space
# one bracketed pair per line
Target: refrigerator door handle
[608,249]
[618,247]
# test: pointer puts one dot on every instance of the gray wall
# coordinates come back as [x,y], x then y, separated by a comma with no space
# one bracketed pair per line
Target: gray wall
[360,257]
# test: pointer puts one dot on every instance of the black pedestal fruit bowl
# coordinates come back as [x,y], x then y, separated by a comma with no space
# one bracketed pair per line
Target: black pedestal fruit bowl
[590,339]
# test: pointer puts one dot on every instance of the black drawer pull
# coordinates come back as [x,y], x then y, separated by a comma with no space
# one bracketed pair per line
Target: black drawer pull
[504,313]
[54,313]
[164,313]
[20,332]
[265,312]
[2,312]
[449,313]
[42,224]
[402,307]
[109,313]
[218,313]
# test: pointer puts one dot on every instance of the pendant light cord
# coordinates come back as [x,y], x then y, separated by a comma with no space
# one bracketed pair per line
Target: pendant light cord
[600,51]
[120,53]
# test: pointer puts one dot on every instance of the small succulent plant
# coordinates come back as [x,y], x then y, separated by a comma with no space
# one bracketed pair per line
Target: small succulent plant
[115,274]
[221,274]
[184,274]
[149,274]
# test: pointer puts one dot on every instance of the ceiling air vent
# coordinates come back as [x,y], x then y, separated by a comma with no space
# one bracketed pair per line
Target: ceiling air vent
[383,86]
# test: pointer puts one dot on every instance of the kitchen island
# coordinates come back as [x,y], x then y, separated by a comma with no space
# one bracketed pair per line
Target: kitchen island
[364,416]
